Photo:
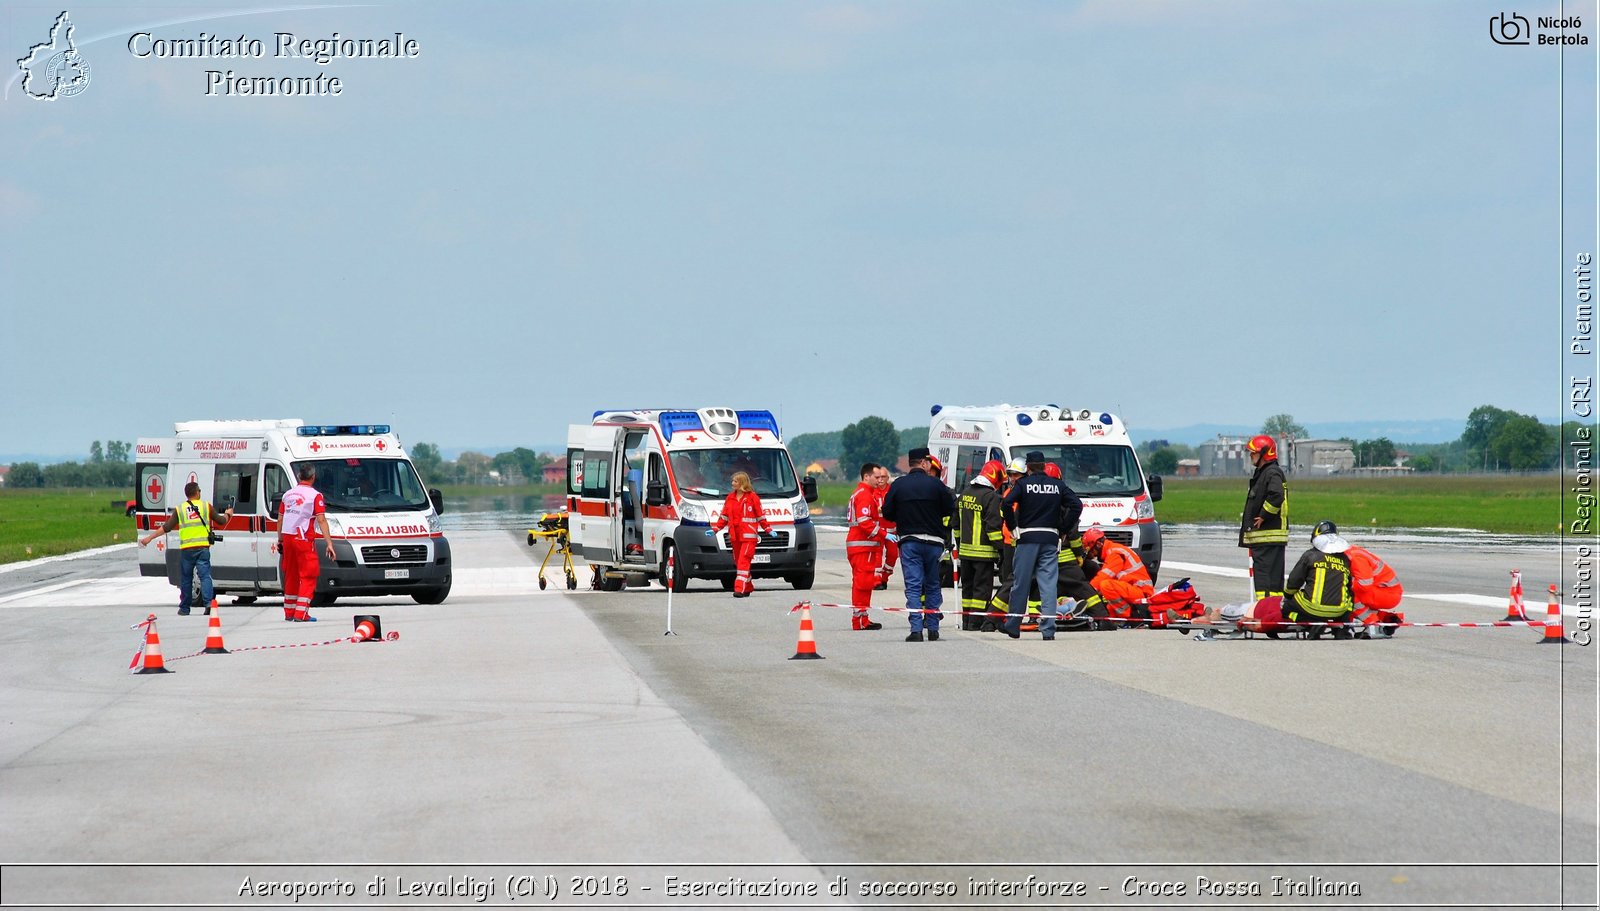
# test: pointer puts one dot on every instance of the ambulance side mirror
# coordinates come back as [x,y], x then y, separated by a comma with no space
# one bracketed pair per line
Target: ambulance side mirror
[437,498]
[655,494]
[1154,483]
[809,488]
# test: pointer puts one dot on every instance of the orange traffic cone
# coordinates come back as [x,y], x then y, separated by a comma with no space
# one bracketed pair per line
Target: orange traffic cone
[1516,610]
[806,647]
[368,629]
[214,632]
[1553,632]
[152,650]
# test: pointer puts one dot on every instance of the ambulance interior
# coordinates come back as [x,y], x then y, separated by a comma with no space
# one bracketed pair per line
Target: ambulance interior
[707,474]
[1098,469]
[368,485]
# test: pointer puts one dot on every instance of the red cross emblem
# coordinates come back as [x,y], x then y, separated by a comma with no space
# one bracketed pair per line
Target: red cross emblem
[154,488]
[274,546]
[691,438]
[161,544]
[756,437]
[1072,431]
[315,446]
[380,445]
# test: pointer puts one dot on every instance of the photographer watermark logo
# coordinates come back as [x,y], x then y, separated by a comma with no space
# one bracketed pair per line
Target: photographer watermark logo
[1514,28]
[54,69]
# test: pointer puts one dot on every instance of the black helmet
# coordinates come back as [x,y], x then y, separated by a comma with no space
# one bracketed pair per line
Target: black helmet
[1324,527]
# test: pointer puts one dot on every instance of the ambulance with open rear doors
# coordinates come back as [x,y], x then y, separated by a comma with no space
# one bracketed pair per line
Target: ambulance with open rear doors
[385,525]
[644,485]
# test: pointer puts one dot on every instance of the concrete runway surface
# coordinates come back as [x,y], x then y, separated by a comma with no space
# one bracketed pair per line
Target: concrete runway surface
[514,739]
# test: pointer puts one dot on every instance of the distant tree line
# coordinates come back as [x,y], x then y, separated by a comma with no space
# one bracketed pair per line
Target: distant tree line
[107,466]
[1495,439]
[517,466]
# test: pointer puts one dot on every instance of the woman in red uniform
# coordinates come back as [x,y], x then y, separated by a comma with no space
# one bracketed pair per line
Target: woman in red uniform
[745,521]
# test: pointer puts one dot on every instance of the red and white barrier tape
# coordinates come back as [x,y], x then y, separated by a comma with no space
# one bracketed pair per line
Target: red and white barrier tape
[1353,624]
[390,636]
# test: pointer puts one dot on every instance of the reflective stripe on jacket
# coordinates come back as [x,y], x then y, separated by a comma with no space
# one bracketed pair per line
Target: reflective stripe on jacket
[742,516]
[1267,499]
[194,524]
[978,534]
[866,522]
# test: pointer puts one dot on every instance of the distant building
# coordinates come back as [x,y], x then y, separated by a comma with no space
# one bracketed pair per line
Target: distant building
[1223,457]
[823,468]
[556,472]
[1188,468]
[1320,457]
[4,470]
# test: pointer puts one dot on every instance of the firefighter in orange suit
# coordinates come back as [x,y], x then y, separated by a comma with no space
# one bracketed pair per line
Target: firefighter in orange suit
[863,545]
[1122,580]
[746,523]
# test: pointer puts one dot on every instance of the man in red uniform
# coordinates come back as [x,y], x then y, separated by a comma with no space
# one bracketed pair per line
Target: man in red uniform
[301,506]
[891,548]
[863,545]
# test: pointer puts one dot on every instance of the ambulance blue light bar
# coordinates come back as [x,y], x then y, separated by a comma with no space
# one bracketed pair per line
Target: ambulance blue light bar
[759,420]
[342,430]
[675,421]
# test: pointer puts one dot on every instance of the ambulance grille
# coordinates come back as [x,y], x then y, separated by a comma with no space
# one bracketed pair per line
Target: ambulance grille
[395,553]
[781,542]
[1125,538]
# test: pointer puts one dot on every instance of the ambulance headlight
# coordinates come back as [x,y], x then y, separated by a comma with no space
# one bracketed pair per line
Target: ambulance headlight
[691,511]
[434,525]
[801,510]
[1143,508]
[335,526]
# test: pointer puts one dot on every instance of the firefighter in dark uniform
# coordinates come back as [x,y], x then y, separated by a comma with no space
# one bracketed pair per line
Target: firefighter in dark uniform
[1265,525]
[1319,584]
[978,538]
[1001,602]
[1071,582]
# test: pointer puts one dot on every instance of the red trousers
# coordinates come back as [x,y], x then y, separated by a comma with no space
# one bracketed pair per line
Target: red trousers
[299,569]
[864,563]
[744,550]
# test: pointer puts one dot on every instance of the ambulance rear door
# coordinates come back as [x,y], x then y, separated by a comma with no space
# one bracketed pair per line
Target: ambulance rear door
[150,479]
[599,518]
[233,556]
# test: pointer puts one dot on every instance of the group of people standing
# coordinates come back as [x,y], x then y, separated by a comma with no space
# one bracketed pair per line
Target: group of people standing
[1016,536]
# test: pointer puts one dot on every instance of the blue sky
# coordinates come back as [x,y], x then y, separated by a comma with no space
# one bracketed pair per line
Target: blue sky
[1186,212]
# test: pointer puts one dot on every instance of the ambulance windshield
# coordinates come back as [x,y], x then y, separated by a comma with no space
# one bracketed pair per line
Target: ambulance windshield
[707,474]
[1107,471]
[368,485]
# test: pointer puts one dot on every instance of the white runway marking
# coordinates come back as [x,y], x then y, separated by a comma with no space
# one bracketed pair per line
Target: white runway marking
[29,564]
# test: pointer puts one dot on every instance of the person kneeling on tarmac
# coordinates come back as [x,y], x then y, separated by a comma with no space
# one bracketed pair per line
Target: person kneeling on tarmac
[1122,581]
[1318,588]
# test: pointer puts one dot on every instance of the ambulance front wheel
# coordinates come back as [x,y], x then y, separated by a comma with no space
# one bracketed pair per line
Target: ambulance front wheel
[802,581]
[437,595]
[323,599]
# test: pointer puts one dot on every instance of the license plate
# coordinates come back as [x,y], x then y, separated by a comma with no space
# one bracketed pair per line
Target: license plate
[397,574]
[761,558]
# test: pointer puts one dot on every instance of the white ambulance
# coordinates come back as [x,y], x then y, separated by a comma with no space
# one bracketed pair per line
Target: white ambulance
[385,525]
[646,484]
[1092,448]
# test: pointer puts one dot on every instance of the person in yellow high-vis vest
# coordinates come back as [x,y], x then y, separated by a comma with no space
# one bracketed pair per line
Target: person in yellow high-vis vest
[193,521]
